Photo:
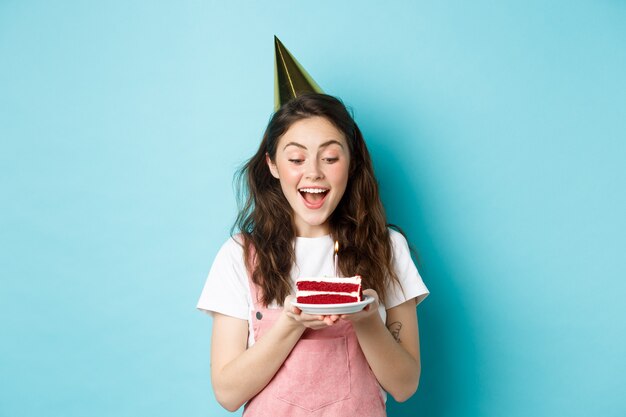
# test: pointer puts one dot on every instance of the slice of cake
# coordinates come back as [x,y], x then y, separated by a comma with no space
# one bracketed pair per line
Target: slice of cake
[329,290]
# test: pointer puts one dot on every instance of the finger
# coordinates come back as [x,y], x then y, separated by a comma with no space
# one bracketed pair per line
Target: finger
[318,326]
[287,304]
[310,317]
[371,293]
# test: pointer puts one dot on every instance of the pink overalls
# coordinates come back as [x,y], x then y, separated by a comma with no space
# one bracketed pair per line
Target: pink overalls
[326,374]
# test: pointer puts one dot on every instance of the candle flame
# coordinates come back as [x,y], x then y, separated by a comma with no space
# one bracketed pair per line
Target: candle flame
[336,246]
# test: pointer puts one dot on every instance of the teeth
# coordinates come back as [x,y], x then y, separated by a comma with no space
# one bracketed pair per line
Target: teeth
[312,190]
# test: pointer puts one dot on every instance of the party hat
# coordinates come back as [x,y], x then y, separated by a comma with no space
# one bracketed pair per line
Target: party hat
[290,78]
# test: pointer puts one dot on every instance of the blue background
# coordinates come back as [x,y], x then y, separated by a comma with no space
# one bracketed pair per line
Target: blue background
[498,133]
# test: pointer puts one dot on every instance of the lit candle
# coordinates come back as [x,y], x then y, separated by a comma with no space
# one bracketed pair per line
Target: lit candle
[336,258]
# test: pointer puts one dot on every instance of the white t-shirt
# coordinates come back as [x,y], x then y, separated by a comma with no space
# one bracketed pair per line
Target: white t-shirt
[227,291]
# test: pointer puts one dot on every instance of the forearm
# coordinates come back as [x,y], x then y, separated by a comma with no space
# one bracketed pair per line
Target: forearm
[395,368]
[246,375]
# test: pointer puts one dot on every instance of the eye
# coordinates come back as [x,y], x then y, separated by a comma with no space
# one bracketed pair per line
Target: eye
[296,161]
[330,160]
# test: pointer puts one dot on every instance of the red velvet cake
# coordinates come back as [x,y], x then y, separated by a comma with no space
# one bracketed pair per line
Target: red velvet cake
[331,290]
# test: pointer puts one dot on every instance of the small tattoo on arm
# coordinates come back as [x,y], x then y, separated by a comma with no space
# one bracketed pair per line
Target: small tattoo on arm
[394,329]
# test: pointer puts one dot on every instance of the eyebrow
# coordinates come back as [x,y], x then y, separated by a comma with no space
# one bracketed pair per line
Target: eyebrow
[323,145]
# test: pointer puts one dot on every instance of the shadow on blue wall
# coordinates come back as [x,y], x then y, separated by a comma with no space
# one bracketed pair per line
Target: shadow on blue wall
[448,381]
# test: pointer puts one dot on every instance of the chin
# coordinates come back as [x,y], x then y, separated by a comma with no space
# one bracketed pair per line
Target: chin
[315,221]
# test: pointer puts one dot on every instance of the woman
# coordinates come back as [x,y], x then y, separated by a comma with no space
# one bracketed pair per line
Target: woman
[311,182]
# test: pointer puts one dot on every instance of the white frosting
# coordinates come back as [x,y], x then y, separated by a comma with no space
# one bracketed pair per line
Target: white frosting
[343,280]
[309,293]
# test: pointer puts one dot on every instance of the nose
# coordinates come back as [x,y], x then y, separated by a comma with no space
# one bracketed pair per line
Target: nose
[313,171]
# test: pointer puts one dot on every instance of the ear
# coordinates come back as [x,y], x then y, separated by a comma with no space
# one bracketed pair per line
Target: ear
[272,166]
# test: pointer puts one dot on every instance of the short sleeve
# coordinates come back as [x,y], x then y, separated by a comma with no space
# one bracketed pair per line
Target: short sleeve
[410,279]
[226,290]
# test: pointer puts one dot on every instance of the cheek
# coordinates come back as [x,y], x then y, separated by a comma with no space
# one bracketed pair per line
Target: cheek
[340,174]
[289,175]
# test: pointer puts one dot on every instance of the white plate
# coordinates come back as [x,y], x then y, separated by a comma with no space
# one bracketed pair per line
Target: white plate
[328,309]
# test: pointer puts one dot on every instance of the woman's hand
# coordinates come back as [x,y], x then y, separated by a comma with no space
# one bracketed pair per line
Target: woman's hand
[368,313]
[307,320]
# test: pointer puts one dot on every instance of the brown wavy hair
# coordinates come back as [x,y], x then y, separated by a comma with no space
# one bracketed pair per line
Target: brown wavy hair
[265,219]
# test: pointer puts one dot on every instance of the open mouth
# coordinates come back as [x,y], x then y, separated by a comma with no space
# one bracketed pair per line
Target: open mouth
[314,197]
